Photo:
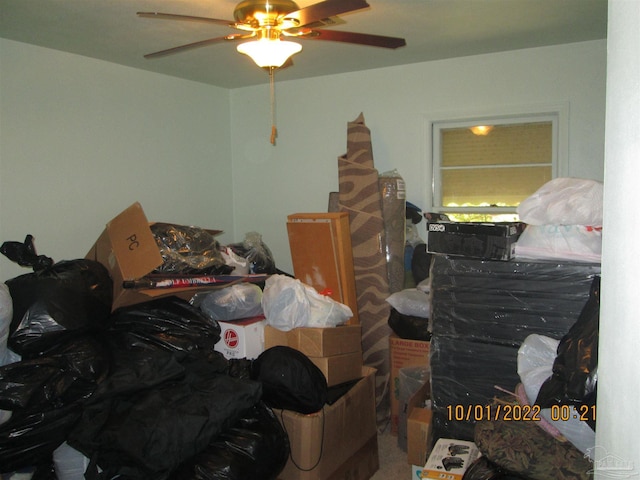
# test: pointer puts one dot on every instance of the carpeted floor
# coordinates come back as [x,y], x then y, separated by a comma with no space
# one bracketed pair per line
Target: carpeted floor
[393,461]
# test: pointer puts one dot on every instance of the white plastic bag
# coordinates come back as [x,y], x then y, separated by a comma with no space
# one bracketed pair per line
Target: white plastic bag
[564,201]
[69,463]
[6,355]
[288,303]
[411,301]
[560,242]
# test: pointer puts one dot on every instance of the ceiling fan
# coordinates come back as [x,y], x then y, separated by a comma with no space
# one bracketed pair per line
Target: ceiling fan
[269,23]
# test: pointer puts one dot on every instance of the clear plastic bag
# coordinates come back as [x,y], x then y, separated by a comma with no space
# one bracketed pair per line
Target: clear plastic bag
[188,250]
[561,242]
[256,252]
[411,301]
[288,303]
[242,300]
[564,201]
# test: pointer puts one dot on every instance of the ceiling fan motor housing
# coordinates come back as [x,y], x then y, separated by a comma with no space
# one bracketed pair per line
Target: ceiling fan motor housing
[263,13]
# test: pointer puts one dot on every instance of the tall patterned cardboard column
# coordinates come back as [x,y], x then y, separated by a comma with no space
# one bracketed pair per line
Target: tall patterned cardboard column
[359,195]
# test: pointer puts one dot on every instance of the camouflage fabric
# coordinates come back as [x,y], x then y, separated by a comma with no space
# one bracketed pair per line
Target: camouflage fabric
[523,448]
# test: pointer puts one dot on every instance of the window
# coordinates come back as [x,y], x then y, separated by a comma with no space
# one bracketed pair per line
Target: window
[483,175]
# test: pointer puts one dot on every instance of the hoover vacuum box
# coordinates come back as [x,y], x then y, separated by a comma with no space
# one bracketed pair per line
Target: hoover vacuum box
[487,241]
[241,338]
[128,249]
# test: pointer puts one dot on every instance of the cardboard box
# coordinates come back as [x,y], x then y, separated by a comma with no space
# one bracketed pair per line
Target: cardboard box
[419,426]
[339,369]
[419,435]
[488,241]
[361,465]
[317,342]
[322,256]
[449,459]
[128,249]
[324,443]
[242,338]
[403,353]
[336,351]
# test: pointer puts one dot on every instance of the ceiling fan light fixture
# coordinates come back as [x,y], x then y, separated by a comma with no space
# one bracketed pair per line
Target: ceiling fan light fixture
[267,52]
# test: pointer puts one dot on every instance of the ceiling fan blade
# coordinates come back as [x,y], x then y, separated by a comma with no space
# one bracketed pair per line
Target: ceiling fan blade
[172,16]
[358,38]
[328,8]
[189,46]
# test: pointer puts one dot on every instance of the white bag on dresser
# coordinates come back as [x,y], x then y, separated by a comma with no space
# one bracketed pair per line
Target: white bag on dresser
[560,242]
[564,201]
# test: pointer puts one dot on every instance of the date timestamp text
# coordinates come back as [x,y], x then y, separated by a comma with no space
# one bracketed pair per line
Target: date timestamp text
[519,413]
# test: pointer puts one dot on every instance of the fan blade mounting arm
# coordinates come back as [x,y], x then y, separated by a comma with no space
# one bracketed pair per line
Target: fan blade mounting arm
[201,43]
[190,18]
[357,38]
[326,9]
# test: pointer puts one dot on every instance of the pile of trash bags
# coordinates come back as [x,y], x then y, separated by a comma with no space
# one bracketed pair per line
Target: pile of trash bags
[138,393]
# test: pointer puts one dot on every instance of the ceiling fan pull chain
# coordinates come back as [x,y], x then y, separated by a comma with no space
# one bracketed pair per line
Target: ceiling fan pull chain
[272,90]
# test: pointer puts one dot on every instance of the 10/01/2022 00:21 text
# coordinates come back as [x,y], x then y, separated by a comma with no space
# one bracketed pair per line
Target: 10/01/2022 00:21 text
[516,412]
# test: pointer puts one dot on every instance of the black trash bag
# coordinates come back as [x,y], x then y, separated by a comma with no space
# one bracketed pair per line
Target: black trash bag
[169,323]
[188,250]
[574,377]
[409,327]
[45,471]
[256,252]
[69,373]
[240,368]
[256,447]
[24,254]
[290,380]
[28,439]
[69,298]
[148,434]
[135,366]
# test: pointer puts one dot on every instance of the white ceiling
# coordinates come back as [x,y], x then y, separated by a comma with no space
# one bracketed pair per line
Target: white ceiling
[110,30]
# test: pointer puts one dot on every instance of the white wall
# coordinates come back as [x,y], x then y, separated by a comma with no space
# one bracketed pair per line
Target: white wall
[81,139]
[618,434]
[299,172]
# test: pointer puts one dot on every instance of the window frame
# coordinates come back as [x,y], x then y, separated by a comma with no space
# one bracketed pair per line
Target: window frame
[557,114]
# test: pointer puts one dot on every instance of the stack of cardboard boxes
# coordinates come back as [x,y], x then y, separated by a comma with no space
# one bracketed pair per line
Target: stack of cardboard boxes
[340,441]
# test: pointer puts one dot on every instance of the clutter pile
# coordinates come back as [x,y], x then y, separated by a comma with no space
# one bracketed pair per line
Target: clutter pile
[509,312]
[107,371]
